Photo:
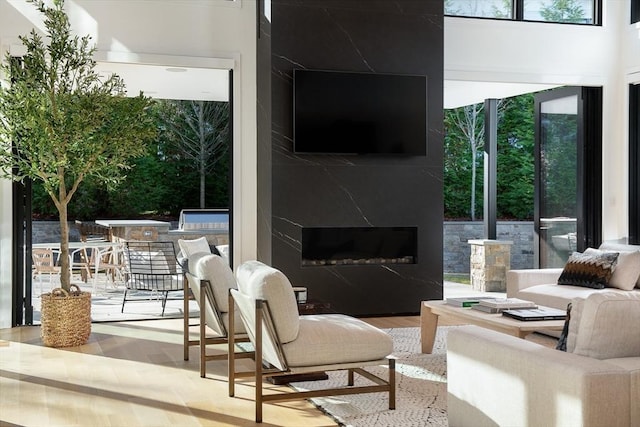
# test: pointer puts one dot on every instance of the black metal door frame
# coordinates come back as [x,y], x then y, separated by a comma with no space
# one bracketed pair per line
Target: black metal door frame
[634,163]
[21,280]
[589,165]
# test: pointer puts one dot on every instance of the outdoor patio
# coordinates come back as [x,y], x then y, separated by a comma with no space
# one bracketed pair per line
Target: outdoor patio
[106,302]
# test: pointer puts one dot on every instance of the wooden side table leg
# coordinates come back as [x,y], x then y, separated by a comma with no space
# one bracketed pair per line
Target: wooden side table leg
[428,326]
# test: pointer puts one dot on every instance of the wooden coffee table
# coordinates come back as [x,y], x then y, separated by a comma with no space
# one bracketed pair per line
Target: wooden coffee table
[431,310]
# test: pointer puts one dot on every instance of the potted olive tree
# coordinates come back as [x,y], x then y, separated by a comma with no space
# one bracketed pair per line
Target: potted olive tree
[61,121]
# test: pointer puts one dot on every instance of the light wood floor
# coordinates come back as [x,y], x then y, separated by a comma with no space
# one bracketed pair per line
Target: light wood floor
[132,374]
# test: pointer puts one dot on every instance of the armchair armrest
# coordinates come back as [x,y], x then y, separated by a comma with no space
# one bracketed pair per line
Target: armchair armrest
[496,379]
[518,280]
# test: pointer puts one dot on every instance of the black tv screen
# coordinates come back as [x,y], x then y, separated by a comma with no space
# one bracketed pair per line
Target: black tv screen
[359,113]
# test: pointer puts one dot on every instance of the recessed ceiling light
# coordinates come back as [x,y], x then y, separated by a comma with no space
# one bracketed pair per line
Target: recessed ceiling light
[176,70]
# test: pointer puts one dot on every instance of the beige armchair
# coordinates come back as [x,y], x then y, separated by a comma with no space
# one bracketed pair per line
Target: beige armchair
[210,278]
[287,343]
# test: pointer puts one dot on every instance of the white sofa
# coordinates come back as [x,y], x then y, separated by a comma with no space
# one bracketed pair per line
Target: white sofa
[541,285]
[499,380]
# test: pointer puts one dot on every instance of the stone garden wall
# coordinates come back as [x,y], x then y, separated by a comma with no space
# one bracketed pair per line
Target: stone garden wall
[457,250]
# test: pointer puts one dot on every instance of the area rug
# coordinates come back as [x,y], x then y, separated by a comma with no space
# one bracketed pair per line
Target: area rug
[421,387]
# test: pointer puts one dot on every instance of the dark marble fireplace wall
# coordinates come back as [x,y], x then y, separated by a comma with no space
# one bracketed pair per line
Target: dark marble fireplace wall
[296,191]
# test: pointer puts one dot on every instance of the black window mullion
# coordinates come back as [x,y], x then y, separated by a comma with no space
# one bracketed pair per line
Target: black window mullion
[518,10]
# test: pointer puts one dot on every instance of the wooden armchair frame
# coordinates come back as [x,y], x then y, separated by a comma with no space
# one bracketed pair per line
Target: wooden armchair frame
[206,296]
[261,330]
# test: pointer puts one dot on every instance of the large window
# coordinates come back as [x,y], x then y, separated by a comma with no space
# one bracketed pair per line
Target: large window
[585,12]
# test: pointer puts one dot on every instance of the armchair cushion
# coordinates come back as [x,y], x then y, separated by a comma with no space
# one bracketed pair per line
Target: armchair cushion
[216,270]
[259,281]
[327,339]
[192,247]
[608,326]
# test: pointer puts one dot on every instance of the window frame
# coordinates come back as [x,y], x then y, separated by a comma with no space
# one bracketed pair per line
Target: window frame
[634,163]
[517,14]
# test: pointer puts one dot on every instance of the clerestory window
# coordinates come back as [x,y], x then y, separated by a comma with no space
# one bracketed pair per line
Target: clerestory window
[581,12]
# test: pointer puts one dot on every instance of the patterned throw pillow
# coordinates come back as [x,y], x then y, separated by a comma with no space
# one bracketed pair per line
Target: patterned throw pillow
[588,270]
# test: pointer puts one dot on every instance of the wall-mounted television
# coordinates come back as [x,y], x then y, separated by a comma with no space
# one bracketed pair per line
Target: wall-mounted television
[359,113]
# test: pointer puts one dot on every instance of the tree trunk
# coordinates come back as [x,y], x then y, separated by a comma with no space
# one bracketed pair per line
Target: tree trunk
[472,210]
[203,156]
[202,185]
[65,267]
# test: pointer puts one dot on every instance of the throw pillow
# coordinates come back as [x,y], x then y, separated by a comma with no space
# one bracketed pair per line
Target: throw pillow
[627,269]
[590,271]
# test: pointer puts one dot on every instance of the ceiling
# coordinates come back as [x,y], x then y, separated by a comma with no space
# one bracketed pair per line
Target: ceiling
[458,93]
[167,82]
[209,84]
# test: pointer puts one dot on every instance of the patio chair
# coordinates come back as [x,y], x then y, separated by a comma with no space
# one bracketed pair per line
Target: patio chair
[108,260]
[152,266]
[210,279]
[45,261]
[81,262]
[286,343]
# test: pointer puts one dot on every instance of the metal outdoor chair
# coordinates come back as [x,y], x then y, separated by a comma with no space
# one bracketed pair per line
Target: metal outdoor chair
[152,267]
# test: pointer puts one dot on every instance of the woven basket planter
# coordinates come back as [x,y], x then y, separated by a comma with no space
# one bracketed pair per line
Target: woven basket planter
[66,317]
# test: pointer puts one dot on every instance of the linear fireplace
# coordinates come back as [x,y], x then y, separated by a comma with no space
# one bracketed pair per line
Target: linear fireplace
[322,246]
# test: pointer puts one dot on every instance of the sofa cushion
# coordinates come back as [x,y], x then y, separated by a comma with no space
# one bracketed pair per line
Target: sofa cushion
[327,339]
[557,296]
[608,326]
[626,271]
[588,270]
[259,281]
[216,270]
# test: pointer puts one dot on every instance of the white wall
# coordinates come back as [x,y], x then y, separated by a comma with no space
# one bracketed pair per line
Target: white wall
[523,52]
[182,32]
[5,254]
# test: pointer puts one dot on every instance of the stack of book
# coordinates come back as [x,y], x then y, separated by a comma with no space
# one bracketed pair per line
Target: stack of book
[465,301]
[498,305]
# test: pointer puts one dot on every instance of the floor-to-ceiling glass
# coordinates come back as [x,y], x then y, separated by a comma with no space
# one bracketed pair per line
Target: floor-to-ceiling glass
[557,184]
[568,173]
